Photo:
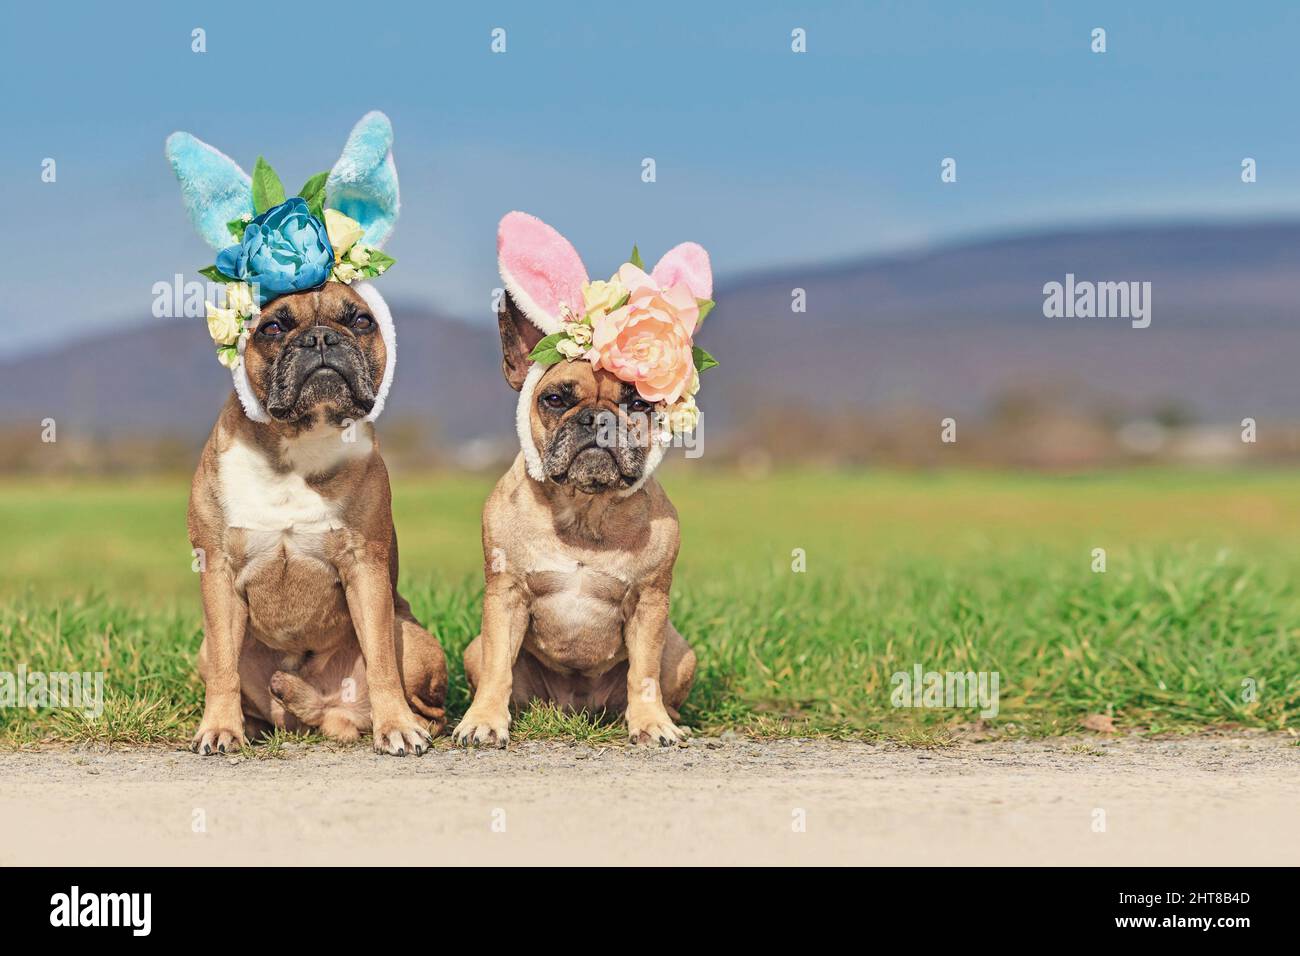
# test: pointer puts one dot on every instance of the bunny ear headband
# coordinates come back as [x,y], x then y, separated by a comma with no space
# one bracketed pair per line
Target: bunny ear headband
[269,246]
[640,326]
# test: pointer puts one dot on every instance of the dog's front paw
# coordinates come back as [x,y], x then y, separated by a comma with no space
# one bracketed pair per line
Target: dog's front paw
[213,738]
[483,726]
[401,734]
[651,727]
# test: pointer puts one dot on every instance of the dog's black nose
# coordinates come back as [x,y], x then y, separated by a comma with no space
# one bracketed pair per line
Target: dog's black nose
[318,337]
[597,419]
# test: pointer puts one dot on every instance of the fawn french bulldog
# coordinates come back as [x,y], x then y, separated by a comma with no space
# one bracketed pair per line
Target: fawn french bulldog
[579,539]
[290,510]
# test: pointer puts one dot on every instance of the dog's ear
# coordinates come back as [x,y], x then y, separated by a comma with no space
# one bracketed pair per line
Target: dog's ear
[216,191]
[687,263]
[363,183]
[518,338]
[541,270]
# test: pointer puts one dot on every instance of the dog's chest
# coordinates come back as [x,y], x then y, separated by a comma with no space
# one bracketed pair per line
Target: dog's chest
[285,525]
[578,611]
[257,498]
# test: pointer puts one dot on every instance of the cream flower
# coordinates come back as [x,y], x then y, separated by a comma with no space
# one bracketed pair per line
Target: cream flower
[228,356]
[578,331]
[346,272]
[683,416]
[600,297]
[240,299]
[343,231]
[224,325]
[569,349]
[359,254]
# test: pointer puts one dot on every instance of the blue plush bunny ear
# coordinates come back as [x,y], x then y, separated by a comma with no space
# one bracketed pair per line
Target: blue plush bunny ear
[363,183]
[213,186]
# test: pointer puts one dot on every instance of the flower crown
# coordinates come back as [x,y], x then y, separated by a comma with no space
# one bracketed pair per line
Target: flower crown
[639,325]
[290,245]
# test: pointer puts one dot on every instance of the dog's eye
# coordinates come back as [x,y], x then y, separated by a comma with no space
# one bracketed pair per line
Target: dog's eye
[553,400]
[271,329]
[640,405]
[362,323]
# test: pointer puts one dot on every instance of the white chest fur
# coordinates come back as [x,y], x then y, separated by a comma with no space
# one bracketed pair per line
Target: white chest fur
[258,497]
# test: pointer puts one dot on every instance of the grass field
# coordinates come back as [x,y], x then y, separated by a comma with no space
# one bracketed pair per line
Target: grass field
[1195,624]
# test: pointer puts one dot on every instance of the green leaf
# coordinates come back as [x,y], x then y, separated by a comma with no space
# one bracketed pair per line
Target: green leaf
[237,227]
[215,274]
[545,352]
[636,259]
[313,191]
[706,306]
[380,262]
[703,360]
[268,191]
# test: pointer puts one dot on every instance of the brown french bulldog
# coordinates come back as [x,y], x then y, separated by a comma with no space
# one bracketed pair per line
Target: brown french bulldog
[303,626]
[578,565]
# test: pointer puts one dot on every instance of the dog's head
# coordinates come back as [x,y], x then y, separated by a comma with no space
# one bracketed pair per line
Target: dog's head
[591,429]
[618,354]
[316,356]
[324,351]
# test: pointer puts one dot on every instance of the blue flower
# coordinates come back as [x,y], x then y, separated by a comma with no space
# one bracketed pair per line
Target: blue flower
[285,249]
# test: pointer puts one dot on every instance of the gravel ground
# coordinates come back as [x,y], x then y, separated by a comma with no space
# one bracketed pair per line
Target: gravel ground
[1207,800]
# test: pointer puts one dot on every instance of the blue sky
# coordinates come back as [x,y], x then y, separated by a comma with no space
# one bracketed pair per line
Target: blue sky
[764,156]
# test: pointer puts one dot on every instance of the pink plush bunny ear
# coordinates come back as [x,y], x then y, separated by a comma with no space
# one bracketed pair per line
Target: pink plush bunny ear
[687,263]
[541,269]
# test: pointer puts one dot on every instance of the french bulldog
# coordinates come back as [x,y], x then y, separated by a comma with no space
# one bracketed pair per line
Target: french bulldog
[290,511]
[303,626]
[579,539]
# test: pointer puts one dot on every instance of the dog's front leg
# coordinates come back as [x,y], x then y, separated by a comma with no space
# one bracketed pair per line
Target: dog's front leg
[505,622]
[225,617]
[645,632]
[370,602]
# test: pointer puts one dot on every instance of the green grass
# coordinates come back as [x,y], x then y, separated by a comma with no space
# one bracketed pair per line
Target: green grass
[954,571]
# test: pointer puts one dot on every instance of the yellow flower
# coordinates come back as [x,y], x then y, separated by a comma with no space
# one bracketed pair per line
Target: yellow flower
[600,297]
[239,299]
[343,231]
[224,325]
[684,416]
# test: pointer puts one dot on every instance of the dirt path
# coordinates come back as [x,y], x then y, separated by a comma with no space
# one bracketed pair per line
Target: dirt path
[1204,801]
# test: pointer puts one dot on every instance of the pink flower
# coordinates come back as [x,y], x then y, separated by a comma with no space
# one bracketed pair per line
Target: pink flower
[648,340]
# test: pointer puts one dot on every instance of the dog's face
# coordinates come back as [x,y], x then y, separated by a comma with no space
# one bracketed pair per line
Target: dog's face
[591,429]
[316,356]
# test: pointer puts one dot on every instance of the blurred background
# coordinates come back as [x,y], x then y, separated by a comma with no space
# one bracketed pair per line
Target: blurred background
[817,171]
